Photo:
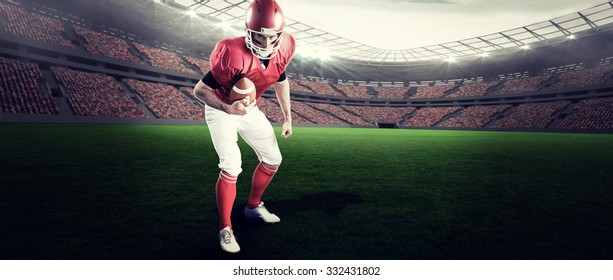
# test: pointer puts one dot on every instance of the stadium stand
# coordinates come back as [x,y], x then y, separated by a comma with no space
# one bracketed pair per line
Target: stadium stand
[93,94]
[202,64]
[590,114]
[583,78]
[428,116]
[164,59]
[321,88]
[374,115]
[431,92]
[474,116]
[314,115]
[28,86]
[270,107]
[20,22]
[340,113]
[523,85]
[531,115]
[478,89]
[297,87]
[353,91]
[271,110]
[20,91]
[106,45]
[391,92]
[166,102]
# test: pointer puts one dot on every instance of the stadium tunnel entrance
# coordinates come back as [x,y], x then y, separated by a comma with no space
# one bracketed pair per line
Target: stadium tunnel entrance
[387,125]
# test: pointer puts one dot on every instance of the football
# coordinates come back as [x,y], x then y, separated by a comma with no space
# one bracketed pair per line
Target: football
[242,89]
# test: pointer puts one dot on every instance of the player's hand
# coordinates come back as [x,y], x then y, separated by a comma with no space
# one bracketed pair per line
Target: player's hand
[286,130]
[240,107]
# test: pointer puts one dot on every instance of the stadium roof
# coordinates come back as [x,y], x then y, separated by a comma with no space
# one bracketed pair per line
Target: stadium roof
[320,43]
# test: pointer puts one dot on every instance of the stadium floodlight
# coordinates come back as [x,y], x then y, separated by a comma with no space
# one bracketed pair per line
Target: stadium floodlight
[191,13]
[525,47]
[484,54]
[570,37]
[451,59]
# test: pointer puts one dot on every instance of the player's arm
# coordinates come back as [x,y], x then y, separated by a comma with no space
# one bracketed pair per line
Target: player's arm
[205,93]
[282,92]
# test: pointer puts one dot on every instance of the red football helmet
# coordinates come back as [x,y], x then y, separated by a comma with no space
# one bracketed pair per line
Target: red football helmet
[264,21]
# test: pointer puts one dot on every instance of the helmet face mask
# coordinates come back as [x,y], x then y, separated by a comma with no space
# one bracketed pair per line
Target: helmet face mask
[264,22]
[256,42]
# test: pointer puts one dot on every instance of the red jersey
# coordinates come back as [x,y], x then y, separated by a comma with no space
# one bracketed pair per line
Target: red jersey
[232,60]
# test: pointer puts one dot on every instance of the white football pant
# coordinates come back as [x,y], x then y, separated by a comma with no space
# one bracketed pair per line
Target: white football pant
[253,127]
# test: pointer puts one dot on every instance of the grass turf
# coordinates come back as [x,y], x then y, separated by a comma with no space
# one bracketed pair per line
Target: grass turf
[147,192]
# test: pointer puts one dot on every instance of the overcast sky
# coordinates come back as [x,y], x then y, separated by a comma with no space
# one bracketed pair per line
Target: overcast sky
[402,24]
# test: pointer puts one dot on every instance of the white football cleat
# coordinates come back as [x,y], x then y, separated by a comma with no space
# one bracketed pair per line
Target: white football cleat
[228,241]
[261,213]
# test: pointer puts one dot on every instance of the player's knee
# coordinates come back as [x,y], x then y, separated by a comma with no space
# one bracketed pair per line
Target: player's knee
[231,170]
[231,166]
[274,160]
[271,167]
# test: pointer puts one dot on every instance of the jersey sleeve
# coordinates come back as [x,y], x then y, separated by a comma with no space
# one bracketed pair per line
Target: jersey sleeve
[225,67]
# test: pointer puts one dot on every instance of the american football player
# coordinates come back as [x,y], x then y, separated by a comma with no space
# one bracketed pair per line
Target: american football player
[262,56]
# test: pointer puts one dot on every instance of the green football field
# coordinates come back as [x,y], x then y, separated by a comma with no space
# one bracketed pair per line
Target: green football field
[147,192]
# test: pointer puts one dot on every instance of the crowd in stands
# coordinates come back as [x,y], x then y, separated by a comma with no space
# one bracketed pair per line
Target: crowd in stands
[583,78]
[203,65]
[20,90]
[523,85]
[431,92]
[164,59]
[474,116]
[340,113]
[314,115]
[20,22]
[93,94]
[294,86]
[321,88]
[106,45]
[270,107]
[391,92]
[90,94]
[428,116]
[353,91]
[590,114]
[477,89]
[166,101]
[374,115]
[531,115]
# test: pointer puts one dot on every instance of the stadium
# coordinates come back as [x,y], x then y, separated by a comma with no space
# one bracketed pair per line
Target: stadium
[497,146]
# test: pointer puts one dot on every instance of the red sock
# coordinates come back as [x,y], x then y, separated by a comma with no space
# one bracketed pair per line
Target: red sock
[225,192]
[261,178]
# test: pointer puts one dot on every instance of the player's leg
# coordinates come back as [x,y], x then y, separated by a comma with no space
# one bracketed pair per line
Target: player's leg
[259,134]
[262,176]
[223,128]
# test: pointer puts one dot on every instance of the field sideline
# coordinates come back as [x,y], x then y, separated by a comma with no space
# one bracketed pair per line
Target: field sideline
[147,192]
